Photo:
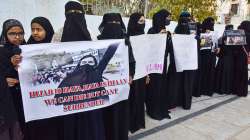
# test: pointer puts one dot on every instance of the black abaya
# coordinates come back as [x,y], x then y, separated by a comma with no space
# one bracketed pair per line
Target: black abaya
[240,75]
[46,129]
[180,84]
[207,62]
[224,70]
[138,87]
[240,86]
[85,125]
[156,94]
[207,71]
[136,103]
[116,117]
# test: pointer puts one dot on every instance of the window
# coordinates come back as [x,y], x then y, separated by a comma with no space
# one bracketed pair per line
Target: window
[234,9]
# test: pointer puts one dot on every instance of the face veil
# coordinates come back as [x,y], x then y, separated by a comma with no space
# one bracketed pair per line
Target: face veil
[134,28]
[112,27]
[86,64]
[75,27]
[159,21]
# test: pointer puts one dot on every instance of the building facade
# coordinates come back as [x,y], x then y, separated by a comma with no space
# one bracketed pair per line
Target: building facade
[233,11]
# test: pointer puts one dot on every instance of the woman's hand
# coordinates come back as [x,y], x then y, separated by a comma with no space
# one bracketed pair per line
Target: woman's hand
[130,80]
[163,31]
[147,79]
[217,50]
[16,60]
[12,82]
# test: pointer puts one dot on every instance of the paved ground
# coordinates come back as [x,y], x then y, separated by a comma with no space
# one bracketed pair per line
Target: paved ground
[216,118]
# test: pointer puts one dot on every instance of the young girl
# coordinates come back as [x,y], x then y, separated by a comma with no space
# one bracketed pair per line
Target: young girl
[12,36]
[42,32]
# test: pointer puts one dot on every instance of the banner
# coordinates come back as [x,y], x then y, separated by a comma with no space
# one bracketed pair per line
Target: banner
[185,52]
[65,78]
[149,52]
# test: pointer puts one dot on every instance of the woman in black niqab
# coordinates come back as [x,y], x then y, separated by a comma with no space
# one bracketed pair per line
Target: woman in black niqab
[181,84]
[75,27]
[116,117]
[46,128]
[240,86]
[157,95]
[85,125]
[136,26]
[160,21]
[112,27]
[208,24]
[224,69]
[182,27]
[207,62]
[45,23]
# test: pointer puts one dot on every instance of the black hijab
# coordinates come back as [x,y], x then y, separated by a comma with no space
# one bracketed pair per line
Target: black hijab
[8,24]
[75,27]
[44,22]
[182,27]
[208,24]
[245,25]
[159,21]
[134,28]
[110,30]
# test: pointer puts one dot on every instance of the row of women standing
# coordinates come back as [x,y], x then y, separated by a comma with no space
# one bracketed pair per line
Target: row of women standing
[160,92]
[110,123]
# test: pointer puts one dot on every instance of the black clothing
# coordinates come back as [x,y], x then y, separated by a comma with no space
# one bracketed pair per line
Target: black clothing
[8,116]
[116,117]
[85,125]
[111,18]
[75,27]
[138,87]
[134,28]
[157,94]
[182,27]
[181,84]
[9,71]
[206,64]
[159,21]
[240,87]
[46,129]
